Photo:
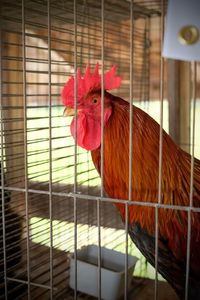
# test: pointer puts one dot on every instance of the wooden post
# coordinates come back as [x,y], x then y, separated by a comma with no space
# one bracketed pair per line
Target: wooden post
[178,93]
[185,101]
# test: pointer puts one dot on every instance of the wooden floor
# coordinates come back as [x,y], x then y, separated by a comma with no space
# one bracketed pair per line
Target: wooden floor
[141,289]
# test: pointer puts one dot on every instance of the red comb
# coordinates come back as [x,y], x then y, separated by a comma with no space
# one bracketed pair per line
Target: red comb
[89,82]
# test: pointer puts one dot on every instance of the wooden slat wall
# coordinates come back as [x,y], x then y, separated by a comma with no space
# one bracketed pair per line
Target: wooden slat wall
[13,112]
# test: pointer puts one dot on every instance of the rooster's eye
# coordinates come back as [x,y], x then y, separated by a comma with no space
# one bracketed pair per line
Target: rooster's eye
[94,100]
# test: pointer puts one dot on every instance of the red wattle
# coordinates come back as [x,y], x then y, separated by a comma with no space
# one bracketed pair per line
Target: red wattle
[88,130]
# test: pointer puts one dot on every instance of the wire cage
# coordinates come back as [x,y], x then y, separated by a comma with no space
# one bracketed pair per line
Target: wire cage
[52,198]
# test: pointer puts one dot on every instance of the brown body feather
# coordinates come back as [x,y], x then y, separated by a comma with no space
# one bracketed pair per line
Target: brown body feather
[175,191]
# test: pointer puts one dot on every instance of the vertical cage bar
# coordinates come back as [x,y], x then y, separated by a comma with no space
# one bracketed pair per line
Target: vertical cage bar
[102,145]
[131,53]
[194,86]
[147,53]
[102,95]
[161,105]
[126,253]
[156,252]
[25,145]
[131,100]
[160,149]
[194,96]
[2,168]
[50,149]
[75,149]
[99,247]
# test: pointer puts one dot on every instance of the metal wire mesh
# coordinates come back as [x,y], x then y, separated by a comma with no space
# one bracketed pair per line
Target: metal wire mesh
[52,199]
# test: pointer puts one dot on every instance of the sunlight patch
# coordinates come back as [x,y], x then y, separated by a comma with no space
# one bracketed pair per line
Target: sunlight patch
[63,233]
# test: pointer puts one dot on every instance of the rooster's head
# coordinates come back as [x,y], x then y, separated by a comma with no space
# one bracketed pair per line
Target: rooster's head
[88,97]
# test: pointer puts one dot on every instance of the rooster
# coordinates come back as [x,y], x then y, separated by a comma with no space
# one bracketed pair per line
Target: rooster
[176,165]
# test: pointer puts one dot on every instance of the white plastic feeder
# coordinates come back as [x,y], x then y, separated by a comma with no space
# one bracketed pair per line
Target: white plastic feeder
[112,272]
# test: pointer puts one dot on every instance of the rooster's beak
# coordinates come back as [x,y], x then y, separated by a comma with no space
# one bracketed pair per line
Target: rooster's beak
[68,112]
